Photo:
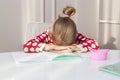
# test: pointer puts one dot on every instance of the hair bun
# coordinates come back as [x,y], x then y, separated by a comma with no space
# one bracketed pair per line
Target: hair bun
[70,11]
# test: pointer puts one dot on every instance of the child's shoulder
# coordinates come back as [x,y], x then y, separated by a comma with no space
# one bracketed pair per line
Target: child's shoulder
[79,34]
[46,31]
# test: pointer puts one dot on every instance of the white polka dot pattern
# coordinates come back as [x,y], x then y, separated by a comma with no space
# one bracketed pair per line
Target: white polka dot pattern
[37,40]
[34,44]
[83,38]
[89,41]
[89,48]
[80,37]
[26,49]
[29,43]
[93,46]
[43,35]
[37,49]
[32,49]
[84,43]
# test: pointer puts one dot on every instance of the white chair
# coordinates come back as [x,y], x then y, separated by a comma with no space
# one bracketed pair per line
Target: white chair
[35,28]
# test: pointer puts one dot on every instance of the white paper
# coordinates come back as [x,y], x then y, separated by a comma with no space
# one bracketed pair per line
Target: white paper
[38,57]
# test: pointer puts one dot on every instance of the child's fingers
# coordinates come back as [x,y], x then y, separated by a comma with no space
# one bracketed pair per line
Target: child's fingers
[61,47]
[62,51]
[74,48]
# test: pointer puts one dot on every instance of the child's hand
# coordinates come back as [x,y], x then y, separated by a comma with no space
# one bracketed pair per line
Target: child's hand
[66,49]
[51,47]
[62,51]
[74,48]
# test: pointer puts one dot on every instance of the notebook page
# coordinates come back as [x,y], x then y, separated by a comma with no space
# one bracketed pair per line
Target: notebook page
[113,68]
[39,57]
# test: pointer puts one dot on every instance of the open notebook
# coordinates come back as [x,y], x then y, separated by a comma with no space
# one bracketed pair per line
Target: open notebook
[44,56]
[113,68]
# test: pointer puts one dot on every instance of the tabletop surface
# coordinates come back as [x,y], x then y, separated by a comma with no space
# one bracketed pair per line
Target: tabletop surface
[87,69]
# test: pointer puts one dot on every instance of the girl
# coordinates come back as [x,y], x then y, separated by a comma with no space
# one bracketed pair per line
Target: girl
[62,37]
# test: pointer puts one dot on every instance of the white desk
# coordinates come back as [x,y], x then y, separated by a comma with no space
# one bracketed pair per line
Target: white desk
[62,70]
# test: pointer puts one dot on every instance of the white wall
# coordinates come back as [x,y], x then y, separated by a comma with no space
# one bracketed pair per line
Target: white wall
[109,24]
[87,17]
[10,25]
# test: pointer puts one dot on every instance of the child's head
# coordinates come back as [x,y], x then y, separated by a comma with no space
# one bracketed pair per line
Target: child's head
[64,29]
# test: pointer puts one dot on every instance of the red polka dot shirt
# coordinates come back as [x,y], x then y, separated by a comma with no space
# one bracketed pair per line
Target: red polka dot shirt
[33,45]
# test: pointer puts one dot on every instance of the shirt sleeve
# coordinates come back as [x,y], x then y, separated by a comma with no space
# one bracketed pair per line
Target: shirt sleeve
[85,44]
[33,45]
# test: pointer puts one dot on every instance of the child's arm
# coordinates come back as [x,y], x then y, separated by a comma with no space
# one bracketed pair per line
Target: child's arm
[61,49]
[33,45]
[42,43]
[85,44]
[52,47]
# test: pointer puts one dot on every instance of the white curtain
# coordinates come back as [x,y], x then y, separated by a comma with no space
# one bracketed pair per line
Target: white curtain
[109,26]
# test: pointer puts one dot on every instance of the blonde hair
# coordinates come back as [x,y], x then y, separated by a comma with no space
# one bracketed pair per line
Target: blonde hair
[70,11]
[64,29]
